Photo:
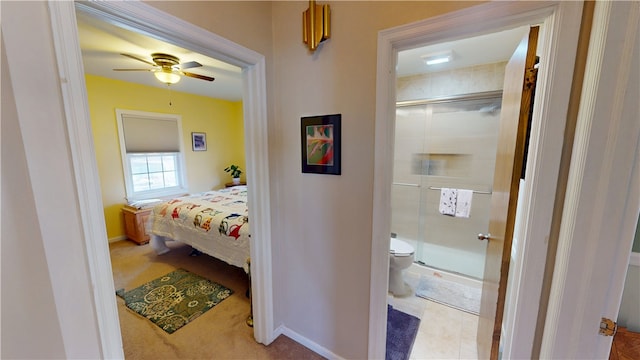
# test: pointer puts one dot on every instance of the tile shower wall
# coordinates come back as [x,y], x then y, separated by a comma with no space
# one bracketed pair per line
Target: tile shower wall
[459,152]
[474,79]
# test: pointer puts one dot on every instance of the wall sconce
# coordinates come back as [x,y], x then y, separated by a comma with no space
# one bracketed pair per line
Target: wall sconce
[167,76]
[316,23]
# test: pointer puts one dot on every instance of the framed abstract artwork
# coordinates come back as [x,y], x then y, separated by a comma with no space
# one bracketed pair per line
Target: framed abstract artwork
[199,141]
[321,139]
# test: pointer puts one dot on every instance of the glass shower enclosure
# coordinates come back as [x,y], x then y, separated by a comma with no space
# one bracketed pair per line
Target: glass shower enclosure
[446,143]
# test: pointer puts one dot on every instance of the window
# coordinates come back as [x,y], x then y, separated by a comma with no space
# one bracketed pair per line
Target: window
[152,154]
[152,171]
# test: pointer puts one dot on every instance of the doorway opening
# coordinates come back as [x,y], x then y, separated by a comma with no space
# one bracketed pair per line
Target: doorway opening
[551,97]
[149,20]
[446,133]
[212,108]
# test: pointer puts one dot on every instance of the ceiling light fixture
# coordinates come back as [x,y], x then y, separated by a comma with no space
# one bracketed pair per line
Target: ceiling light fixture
[438,58]
[166,76]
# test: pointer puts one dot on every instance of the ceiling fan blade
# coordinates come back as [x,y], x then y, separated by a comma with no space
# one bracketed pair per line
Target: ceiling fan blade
[133,69]
[190,64]
[201,77]
[139,59]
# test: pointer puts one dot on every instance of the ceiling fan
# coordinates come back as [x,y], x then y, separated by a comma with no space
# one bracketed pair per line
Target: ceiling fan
[167,68]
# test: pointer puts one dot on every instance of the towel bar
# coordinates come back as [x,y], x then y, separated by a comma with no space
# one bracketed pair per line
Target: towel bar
[406,184]
[474,191]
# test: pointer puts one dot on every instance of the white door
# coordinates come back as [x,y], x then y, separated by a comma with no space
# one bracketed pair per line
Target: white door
[519,84]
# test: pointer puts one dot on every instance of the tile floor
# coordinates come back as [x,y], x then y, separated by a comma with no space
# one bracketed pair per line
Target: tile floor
[444,333]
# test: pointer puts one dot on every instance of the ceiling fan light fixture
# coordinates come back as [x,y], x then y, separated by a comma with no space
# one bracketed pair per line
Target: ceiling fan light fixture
[167,68]
[167,77]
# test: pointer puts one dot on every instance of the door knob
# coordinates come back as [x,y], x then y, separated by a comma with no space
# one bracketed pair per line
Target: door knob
[484,236]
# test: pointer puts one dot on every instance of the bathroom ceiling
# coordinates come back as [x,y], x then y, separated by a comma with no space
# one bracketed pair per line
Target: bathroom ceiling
[484,49]
[103,44]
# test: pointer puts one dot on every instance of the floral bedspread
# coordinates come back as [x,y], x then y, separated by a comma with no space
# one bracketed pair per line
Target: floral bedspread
[215,222]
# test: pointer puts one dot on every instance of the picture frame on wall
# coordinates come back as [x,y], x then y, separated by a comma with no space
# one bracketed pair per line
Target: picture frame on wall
[199,141]
[321,138]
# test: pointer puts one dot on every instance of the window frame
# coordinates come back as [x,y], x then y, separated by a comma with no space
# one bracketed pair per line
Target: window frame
[181,173]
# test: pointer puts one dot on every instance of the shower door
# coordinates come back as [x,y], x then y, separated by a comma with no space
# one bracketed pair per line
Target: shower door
[444,143]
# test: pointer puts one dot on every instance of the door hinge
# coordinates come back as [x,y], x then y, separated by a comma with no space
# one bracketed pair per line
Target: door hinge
[530,78]
[608,327]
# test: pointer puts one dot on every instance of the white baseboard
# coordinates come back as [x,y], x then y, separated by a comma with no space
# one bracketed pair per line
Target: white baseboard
[277,332]
[307,343]
[634,259]
[117,238]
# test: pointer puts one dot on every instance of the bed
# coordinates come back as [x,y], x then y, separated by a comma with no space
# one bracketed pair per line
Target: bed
[213,222]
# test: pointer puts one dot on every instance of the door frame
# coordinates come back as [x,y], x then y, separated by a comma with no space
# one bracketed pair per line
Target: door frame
[145,18]
[602,203]
[560,31]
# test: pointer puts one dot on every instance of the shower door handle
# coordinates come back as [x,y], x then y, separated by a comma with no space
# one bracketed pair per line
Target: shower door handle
[484,236]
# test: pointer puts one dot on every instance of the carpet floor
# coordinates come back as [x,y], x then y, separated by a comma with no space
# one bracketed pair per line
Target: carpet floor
[220,333]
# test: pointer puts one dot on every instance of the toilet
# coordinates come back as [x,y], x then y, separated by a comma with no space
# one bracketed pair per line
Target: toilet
[401,256]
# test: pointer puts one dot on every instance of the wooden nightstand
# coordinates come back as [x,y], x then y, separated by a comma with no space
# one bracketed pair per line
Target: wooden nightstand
[232,184]
[134,223]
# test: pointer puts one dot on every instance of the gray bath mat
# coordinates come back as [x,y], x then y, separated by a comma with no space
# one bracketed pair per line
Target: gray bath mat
[401,334]
[449,293]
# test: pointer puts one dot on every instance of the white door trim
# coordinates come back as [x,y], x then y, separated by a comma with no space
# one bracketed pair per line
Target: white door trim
[560,22]
[145,18]
[603,191]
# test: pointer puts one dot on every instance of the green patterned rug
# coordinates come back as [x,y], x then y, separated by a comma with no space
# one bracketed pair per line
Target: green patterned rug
[175,299]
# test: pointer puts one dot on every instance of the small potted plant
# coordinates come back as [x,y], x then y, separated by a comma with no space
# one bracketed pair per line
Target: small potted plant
[235,172]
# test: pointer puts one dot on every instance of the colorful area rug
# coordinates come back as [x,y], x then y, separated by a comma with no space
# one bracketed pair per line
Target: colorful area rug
[175,299]
[449,293]
[401,333]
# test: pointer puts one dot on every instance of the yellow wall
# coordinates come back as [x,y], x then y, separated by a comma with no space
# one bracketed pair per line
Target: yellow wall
[221,120]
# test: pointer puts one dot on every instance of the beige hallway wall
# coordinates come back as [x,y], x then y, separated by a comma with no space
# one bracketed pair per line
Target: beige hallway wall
[323,226]
[321,223]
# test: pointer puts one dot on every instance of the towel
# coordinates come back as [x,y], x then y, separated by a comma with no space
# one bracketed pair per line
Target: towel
[448,201]
[463,203]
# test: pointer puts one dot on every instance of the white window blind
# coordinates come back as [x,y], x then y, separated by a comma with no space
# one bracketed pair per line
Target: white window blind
[152,154]
[146,135]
